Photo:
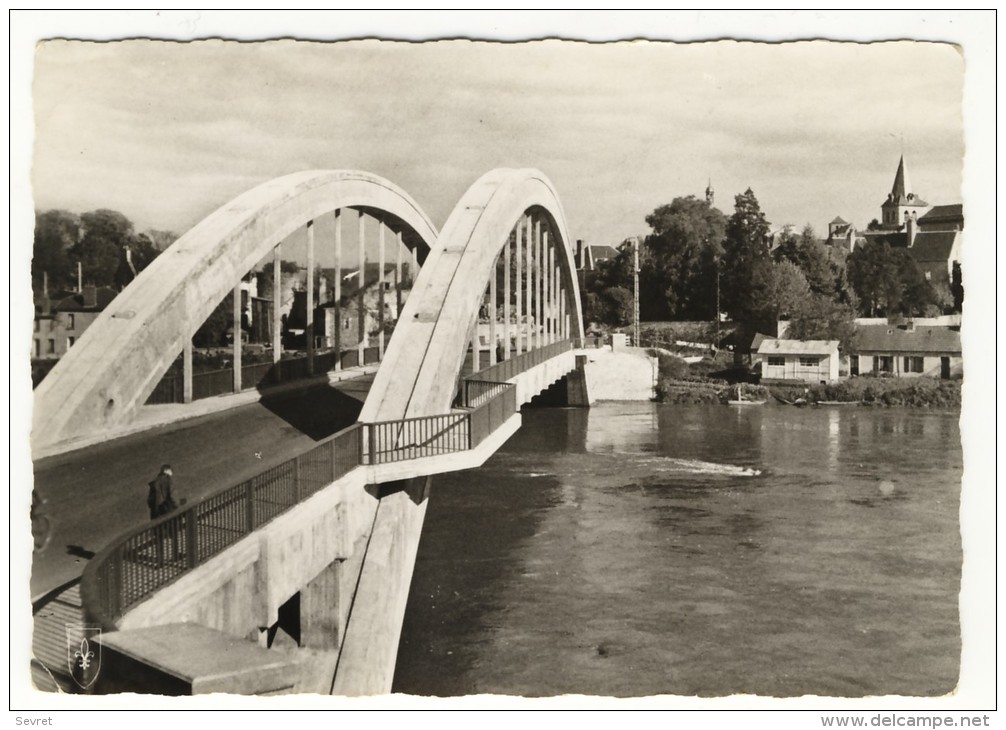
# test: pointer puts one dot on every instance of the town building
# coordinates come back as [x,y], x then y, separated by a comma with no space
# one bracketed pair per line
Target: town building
[61,320]
[587,257]
[813,361]
[907,350]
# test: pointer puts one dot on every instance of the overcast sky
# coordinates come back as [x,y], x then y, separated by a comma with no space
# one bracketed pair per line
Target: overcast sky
[167,132]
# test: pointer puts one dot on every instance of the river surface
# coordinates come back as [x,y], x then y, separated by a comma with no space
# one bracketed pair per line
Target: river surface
[631,549]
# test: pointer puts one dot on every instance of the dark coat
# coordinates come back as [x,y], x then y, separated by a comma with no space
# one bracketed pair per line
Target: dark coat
[159,498]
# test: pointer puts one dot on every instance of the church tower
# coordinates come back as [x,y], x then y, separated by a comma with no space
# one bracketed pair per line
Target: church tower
[709,192]
[902,204]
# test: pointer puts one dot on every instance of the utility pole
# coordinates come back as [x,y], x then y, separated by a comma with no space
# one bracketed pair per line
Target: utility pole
[635,291]
[717,304]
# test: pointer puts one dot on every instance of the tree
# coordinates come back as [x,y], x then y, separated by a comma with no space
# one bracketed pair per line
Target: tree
[874,225]
[683,253]
[811,256]
[873,273]
[745,245]
[56,232]
[822,318]
[616,306]
[213,332]
[161,239]
[957,287]
[784,290]
[888,281]
[106,233]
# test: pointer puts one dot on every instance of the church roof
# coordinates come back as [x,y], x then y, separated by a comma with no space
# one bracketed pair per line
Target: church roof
[933,245]
[942,214]
[838,221]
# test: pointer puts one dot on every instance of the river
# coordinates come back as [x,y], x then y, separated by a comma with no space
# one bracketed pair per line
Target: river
[636,549]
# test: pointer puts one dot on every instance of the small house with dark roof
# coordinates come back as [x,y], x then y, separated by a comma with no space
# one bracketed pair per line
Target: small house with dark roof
[814,361]
[907,350]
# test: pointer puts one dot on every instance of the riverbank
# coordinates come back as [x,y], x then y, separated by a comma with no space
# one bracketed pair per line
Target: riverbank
[684,383]
[873,391]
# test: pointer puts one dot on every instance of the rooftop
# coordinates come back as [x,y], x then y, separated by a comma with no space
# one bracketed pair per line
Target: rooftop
[933,245]
[798,347]
[922,339]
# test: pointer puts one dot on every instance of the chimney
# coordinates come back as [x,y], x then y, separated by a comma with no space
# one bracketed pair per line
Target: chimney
[45,284]
[80,278]
[910,229]
[90,296]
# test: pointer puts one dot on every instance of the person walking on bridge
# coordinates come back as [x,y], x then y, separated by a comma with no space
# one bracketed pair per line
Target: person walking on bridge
[159,498]
[161,502]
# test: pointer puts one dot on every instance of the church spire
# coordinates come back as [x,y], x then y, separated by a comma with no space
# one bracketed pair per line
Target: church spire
[709,192]
[902,189]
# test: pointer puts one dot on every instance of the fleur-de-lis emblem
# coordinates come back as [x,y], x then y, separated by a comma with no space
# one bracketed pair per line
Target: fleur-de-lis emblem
[84,655]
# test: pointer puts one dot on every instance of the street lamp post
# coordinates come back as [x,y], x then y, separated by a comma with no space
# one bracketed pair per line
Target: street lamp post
[635,291]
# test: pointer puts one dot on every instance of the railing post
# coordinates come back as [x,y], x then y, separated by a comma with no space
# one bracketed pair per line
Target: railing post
[371,442]
[250,505]
[115,581]
[191,549]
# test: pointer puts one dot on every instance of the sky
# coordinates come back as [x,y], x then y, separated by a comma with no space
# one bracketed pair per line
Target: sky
[167,132]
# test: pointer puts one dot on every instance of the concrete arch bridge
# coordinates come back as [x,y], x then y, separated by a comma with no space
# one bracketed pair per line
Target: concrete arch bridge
[322,545]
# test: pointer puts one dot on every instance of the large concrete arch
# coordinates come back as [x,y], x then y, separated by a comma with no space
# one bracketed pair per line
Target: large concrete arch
[109,373]
[417,376]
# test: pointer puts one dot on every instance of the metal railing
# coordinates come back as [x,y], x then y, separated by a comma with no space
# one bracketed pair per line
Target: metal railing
[149,557]
[152,556]
[491,413]
[517,364]
[476,392]
[221,382]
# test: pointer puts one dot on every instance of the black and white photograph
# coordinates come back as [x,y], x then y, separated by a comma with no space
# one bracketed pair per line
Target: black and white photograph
[600,360]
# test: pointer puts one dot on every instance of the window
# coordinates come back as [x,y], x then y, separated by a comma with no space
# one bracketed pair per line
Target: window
[776,361]
[71,321]
[50,346]
[808,362]
[882,363]
[913,365]
[70,341]
[38,348]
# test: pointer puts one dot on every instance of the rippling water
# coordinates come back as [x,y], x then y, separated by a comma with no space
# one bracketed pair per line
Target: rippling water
[638,549]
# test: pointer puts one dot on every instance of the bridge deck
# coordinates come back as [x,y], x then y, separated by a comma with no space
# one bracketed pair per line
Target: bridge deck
[97,493]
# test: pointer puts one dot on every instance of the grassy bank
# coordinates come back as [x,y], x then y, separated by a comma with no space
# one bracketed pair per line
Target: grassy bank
[681,382]
[911,392]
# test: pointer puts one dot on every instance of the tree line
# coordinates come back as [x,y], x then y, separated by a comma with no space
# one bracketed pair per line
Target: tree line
[697,262]
[97,241]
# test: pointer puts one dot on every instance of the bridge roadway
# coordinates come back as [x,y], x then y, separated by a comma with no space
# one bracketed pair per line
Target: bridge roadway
[96,493]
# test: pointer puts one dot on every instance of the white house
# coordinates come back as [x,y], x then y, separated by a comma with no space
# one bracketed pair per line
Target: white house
[815,361]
